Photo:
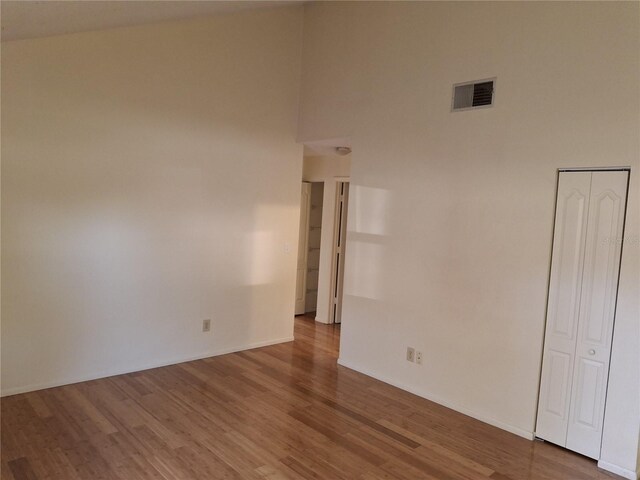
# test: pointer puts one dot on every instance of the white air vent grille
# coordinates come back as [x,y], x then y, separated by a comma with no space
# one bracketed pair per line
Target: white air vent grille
[470,95]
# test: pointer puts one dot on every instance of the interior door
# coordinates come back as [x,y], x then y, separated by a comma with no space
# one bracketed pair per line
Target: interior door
[581,308]
[340,240]
[303,249]
[597,311]
[563,305]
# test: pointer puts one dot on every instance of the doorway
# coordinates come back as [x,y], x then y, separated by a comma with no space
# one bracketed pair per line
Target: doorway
[325,178]
[313,247]
[587,249]
[312,197]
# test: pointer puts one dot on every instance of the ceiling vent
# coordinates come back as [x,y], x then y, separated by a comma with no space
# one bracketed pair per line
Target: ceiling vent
[471,95]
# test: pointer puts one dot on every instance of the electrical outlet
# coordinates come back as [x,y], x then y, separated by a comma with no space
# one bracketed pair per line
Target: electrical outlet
[411,354]
[206,325]
[419,358]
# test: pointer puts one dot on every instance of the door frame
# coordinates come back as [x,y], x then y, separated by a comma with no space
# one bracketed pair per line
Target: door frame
[624,224]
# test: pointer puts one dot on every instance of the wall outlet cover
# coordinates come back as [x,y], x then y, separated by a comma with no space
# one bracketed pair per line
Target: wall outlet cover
[411,354]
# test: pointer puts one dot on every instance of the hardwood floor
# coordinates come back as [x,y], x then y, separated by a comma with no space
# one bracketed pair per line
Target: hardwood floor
[280,412]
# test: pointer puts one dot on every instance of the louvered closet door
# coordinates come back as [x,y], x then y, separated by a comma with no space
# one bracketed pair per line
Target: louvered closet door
[303,249]
[581,308]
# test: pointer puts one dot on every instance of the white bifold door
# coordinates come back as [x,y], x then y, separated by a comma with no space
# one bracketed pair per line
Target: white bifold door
[587,245]
[339,245]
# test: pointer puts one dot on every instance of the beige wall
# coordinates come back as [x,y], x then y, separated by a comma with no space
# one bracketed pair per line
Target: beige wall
[134,206]
[451,214]
[134,199]
[329,170]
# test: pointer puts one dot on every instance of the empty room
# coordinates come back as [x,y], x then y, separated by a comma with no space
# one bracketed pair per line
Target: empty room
[341,240]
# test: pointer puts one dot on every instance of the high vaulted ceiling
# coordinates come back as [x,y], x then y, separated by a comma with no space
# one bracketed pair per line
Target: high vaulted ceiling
[32,19]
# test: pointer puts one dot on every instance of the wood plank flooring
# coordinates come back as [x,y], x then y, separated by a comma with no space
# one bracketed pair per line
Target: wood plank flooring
[280,412]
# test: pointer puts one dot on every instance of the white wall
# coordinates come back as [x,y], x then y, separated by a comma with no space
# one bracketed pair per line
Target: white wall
[451,214]
[329,170]
[134,199]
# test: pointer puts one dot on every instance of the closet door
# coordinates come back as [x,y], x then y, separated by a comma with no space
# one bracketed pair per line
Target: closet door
[597,311]
[563,307]
[583,288]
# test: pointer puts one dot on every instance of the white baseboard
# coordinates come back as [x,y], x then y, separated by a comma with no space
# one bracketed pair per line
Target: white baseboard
[623,472]
[320,320]
[491,421]
[164,363]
